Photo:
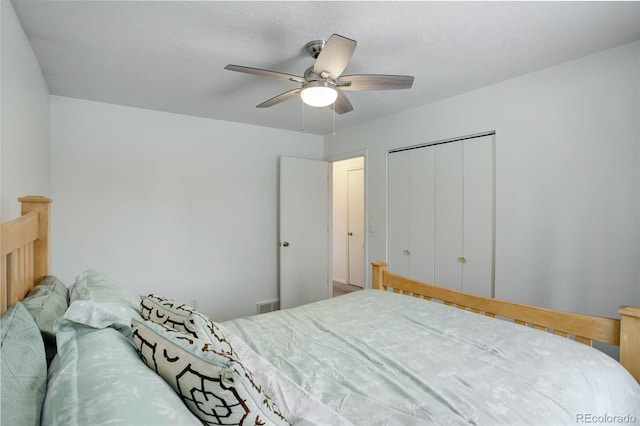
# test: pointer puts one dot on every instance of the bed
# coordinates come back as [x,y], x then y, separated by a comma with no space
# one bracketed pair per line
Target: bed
[401,353]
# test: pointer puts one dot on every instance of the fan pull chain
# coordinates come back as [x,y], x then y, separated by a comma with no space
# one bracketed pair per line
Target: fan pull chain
[302,116]
[334,120]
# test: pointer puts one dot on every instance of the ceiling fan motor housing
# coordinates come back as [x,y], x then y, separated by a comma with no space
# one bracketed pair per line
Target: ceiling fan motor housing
[315,47]
[310,75]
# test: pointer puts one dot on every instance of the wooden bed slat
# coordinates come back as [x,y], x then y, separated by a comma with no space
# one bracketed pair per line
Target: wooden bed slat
[584,340]
[15,275]
[560,333]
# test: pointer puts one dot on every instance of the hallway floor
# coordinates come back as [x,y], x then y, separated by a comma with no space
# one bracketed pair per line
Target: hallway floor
[340,288]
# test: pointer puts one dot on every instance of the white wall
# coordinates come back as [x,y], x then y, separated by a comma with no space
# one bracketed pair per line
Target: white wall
[24,118]
[340,211]
[124,180]
[567,177]
[166,203]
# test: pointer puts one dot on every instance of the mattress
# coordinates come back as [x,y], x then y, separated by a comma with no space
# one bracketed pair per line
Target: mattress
[379,358]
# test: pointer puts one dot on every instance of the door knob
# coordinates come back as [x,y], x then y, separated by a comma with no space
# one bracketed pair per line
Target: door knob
[462,259]
[350,233]
[407,252]
[285,243]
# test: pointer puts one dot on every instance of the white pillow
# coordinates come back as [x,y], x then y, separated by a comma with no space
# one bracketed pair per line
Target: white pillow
[94,285]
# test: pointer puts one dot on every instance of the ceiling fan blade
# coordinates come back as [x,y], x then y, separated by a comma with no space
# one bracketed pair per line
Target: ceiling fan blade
[280,98]
[265,73]
[334,56]
[374,82]
[342,103]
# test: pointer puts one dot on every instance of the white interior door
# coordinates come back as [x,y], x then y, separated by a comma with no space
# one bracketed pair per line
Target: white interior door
[304,231]
[355,190]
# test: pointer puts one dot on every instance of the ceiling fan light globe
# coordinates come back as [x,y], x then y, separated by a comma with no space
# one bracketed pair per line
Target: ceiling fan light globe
[320,95]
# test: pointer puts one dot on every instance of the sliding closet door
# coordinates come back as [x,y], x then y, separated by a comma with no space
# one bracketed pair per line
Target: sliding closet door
[441,214]
[422,251]
[464,205]
[479,223]
[449,215]
[400,212]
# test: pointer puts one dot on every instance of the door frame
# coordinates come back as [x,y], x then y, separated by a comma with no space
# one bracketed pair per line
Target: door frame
[363,229]
[347,156]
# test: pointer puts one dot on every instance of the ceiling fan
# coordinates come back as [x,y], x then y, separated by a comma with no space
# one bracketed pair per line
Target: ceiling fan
[323,83]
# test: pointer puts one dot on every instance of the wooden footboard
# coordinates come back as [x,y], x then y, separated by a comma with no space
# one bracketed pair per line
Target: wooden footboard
[623,332]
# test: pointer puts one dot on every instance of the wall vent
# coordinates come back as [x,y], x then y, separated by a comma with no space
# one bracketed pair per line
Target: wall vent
[264,307]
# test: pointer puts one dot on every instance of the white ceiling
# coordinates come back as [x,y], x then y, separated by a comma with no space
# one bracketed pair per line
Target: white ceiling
[170,56]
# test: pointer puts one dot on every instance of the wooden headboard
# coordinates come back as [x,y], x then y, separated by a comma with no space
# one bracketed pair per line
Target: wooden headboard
[25,250]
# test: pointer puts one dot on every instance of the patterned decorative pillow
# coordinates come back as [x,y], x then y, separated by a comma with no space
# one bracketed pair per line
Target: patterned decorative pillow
[47,302]
[24,368]
[184,318]
[216,387]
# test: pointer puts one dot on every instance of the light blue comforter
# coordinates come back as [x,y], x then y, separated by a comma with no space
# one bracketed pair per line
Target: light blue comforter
[379,358]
